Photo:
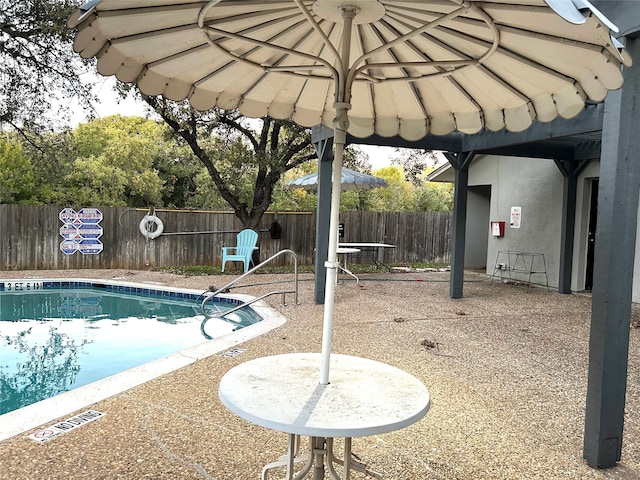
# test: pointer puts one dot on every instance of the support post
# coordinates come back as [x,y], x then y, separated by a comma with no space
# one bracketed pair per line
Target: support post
[570,171]
[322,139]
[613,271]
[460,162]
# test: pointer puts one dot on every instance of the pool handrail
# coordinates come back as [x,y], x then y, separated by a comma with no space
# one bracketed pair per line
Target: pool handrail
[249,272]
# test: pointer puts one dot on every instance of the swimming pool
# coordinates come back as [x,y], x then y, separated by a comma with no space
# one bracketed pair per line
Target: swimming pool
[58,335]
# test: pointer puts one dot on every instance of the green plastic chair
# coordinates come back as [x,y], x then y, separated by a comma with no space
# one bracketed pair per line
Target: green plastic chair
[242,252]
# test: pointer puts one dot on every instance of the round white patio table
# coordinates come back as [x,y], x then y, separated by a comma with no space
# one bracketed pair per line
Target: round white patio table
[283,393]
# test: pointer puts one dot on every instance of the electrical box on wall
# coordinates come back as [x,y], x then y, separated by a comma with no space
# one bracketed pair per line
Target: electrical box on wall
[497,229]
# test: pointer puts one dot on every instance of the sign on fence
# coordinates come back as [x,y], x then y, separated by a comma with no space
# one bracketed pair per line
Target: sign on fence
[81,231]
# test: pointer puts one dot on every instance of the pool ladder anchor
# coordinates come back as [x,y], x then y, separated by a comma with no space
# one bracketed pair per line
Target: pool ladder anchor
[226,287]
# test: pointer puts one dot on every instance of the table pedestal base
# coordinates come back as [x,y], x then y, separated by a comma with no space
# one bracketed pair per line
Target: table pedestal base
[320,455]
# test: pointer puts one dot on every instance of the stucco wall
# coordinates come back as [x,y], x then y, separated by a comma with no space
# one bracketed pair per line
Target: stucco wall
[535,186]
[478,214]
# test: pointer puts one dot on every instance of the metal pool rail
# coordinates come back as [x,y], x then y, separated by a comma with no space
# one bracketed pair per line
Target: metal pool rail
[208,297]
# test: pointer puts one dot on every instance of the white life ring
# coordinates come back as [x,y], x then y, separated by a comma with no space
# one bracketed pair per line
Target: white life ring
[151,226]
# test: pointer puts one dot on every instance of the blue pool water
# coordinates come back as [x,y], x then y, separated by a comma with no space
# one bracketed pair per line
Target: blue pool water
[56,336]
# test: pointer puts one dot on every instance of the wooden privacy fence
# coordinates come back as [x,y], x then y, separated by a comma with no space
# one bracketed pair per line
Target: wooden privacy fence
[31,237]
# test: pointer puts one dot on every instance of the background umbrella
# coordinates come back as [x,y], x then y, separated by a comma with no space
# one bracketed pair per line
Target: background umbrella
[351,180]
[389,67]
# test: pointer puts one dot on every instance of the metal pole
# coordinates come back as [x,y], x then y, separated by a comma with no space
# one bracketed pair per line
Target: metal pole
[341,125]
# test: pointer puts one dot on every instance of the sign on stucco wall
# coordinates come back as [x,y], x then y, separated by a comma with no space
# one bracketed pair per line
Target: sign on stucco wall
[516,217]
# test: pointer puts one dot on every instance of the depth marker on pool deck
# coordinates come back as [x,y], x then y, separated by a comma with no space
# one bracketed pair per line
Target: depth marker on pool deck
[65,426]
[233,353]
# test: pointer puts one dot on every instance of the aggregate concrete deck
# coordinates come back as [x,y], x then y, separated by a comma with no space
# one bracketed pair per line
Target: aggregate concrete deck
[506,367]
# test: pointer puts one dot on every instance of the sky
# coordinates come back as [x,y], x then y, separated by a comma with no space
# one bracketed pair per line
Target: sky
[110,104]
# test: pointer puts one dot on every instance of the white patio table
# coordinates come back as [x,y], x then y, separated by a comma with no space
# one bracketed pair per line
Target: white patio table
[364,397]
[344,252]
[372,250]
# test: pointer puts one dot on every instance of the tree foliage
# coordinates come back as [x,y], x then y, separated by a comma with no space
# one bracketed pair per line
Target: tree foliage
[244,160]
[17,175]
[414,162]
[132,161]
[400,194]
[110,162]
[39,68]
[114,160]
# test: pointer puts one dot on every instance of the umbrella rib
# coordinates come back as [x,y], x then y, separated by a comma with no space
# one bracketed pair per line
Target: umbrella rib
[314,24]
[458,64]
[454,65]
[272,46]
[285,69]
[289,51]
[418,31]
[280,68]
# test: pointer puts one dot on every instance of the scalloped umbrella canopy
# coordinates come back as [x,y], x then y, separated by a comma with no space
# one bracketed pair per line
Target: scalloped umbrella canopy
[409,67]
[386,67]
[351,180]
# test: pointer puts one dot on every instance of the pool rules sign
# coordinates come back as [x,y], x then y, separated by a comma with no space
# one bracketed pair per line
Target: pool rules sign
[81,231]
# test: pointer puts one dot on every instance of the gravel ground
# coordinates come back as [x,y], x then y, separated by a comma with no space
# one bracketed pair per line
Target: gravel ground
[506,367]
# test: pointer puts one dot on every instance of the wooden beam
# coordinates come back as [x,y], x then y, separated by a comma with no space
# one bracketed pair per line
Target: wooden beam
[615,245]
[589,120]
[625,14]
[322,139]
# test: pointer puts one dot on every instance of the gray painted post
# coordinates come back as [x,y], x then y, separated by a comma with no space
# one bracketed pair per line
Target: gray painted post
[613,271]
[460,162]
[322,139]
[570,173]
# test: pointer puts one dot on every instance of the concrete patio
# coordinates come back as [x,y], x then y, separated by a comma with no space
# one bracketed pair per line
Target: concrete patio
[506,367]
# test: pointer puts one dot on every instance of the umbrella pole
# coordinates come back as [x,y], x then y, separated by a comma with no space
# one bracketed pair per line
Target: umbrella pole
[331,264]
[340,127]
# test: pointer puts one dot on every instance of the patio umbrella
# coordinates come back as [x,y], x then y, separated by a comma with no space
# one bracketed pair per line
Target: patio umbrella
[387,67]
[351,180]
